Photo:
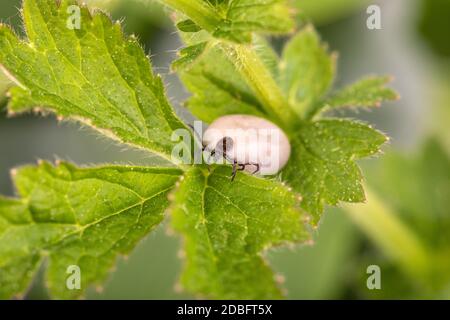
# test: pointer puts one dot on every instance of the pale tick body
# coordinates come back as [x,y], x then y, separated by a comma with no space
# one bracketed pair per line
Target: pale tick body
[248,142]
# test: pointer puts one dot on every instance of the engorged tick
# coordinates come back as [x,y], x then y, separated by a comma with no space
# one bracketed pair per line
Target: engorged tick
[249,143]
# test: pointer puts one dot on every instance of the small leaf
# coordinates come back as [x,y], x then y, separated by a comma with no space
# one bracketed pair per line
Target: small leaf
[226,226]
[306,70]
[368,92]
[322,167]
[188,26]
[64,70]
[71,216]
[188,55]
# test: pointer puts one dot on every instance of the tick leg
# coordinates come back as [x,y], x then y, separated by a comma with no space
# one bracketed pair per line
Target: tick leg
[257,165]
[211,154]
[257,168]
[241,167]
[233,175]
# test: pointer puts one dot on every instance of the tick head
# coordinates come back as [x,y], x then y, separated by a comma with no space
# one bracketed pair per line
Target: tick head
[224,145]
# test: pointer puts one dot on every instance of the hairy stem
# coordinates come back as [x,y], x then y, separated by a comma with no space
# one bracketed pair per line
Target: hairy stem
[390,235]
[262,83]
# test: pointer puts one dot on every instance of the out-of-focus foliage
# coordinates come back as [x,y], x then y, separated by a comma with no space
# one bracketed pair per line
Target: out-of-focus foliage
[434,25]
[417,188]
[144,18]
[327,11]
[322,270]
[439,120]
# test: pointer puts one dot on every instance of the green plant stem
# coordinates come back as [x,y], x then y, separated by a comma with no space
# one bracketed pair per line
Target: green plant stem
[246,61]
[262,83]
[390,235]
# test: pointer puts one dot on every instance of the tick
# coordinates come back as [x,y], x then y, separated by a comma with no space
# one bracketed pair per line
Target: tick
[249,143]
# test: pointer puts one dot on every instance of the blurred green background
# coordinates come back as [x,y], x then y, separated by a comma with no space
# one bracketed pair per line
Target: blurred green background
[412,181]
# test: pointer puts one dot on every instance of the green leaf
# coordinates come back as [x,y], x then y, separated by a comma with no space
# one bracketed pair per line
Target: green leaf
[64,71]
[235,20]
[188,26]
[69,216]
[218,87]
[188,55]
[368,92]
[307,70]
[322,167]
[226,227]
